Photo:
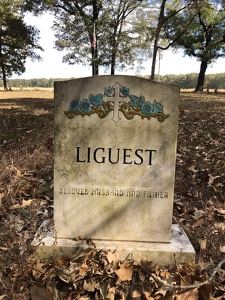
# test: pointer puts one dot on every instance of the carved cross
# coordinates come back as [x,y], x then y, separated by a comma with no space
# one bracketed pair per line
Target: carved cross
[116,100]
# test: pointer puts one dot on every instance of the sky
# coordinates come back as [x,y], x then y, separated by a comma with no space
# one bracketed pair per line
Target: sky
[51,65]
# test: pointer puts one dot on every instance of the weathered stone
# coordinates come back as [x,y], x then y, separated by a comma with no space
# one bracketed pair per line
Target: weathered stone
[179,250]
[115,149]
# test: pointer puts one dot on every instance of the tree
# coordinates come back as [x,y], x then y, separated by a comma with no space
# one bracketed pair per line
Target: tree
[126,39]
[74,26]
[115,46]
[204,38]
[165,11]
[17,41]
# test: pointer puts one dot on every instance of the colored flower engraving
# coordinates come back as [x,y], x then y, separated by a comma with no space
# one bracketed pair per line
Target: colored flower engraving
[135,101]
[146,108]
[116,99]
[109,91]
[92,105]
[85,106]
[124,91]
[96,100]
[75,105]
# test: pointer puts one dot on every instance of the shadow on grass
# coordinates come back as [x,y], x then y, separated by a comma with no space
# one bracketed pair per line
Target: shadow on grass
[33,106]
[24,118]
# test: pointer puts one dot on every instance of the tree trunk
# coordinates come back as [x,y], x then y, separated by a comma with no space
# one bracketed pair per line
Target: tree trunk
[4,79]
[113,62]
[157,33]
[201,77]
[154,56]
[112,69]
[95,48]
[3,72]
[94,61]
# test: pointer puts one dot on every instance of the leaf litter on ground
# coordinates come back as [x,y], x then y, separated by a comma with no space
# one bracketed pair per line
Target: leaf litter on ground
[26,203]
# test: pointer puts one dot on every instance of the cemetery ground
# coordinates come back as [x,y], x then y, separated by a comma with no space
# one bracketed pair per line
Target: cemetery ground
[26,204]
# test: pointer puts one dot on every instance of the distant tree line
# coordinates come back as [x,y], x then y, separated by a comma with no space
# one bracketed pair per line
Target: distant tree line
[188,81]
[32,83]
[185,81]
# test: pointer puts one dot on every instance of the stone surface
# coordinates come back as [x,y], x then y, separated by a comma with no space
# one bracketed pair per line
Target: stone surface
[115,149]
[179,250]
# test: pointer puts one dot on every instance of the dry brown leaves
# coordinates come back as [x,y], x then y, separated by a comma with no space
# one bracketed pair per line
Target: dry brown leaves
[200,174]
[26,203]
[97,276]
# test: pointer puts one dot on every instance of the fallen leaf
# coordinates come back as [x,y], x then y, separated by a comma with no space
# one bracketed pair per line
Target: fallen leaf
[111,293]
[51,286]
[222,249]
[2,195]
[24,204]
[220,225]
[212,178]
[203,244]
[63,261]
[204,291]
[147,296]
[165,274]
[3,296]
[162,291]
[125,272]
[38,292]
[113,257]
[198,213]
[4,249]
[83,270]
[221,212]
[89,285]
[104,289]
[38,270]
[185,280]
[192,169]
[190,295]
[136,295]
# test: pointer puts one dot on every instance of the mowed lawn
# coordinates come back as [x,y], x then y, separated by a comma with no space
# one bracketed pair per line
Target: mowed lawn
[17,93]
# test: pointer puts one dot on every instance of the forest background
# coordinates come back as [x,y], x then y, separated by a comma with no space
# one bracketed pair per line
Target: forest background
[116,35]
[185,81]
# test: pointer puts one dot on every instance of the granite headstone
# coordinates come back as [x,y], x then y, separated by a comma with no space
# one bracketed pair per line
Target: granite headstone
[115,153]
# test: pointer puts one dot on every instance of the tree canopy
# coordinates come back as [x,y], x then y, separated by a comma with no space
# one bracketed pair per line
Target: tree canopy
[17,40]
[117,33]
[165,13]
[118,43]
[204,38]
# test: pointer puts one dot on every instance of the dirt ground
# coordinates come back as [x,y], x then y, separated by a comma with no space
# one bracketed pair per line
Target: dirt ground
[26,201]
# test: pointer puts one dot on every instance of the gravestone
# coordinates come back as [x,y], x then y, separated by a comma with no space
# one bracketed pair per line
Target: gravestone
[115,150]
[114,170]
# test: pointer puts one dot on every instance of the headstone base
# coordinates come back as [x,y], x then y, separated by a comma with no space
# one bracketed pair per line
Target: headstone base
[179,250]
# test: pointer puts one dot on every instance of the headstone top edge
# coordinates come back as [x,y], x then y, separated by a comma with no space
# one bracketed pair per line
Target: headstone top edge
[116,77]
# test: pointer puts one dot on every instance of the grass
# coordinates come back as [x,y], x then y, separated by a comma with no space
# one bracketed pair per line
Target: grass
[29,93]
